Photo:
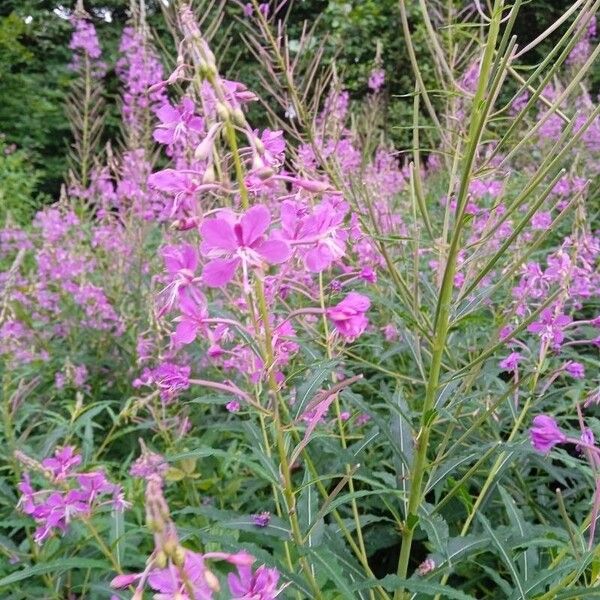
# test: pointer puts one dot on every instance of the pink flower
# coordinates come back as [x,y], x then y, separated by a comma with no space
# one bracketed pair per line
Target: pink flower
[541,220]
[511,362]
[80,495]
[575,370]
[376,79]
[123,581]
[317,232]
[193,314]
[181,262]
[262,519]
[261,585]
[63,461]
[545,433]
[349,315]
[550,327]
[171,586]
[230,241]
[148,465]
[182,186]
[170,378]
[175,122]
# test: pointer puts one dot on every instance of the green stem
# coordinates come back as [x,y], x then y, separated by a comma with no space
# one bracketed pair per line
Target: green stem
[442,318]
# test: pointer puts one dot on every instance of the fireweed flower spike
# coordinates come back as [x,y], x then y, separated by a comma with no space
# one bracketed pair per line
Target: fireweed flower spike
[177,573]
[229,241]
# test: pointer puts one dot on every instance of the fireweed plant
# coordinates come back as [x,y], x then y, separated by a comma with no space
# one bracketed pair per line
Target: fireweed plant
[291,361]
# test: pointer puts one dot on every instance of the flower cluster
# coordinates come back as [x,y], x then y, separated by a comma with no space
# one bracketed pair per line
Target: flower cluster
[72,494]
[176,572]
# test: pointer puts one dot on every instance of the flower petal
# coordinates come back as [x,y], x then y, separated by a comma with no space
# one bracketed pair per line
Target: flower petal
[219,272]
[185,333]
[274,251]
[254,223]
[318,259]
[217,234]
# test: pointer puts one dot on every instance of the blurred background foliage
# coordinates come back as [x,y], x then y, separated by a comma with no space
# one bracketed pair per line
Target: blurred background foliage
[34,58]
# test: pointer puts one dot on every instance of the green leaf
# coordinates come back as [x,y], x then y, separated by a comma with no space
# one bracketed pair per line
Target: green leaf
[312,384]
[117,530]
[55,566]
[402,431]
[393,582]
[328,560]
[436,529]
[506,557]
[307,507]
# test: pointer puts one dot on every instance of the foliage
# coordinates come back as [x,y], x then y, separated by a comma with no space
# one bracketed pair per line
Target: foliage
[18,183]
[289,339]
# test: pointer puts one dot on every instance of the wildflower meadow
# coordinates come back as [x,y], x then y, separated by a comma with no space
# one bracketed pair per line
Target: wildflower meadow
[297,326]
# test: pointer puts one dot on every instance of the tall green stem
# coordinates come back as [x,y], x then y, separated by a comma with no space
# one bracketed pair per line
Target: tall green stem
[442,317]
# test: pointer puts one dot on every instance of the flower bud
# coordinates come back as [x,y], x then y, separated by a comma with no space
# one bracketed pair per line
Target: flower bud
[161,560]
[223,111]
[211,580]
[264,173]
[238,116]
[258,144]
[209,175]
[178,556]
[170,546]
[545,433]
[184,224]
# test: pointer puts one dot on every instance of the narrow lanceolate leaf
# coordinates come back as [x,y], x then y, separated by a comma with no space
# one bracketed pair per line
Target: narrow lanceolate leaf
[117,530]
[460,548]
[436,529]
[307,508]
[315,411]
[429,588]
[528,560]
[326,562]
[506,556]
[55,567]
[312,384]
[402,432]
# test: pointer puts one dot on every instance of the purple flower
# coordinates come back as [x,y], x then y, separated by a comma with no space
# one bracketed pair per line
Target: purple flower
[233,406]
[171,586]
[193,314]
[260,585]
[550,326]
[230,242]
[575,370]
[511,362]
[171,379]
[175,122]
[545,434]
[62,463]
[317,232]
[148,465]
[80,494]
[376,79]
[181,262]
[349,315]
[262,519]
[541,220]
